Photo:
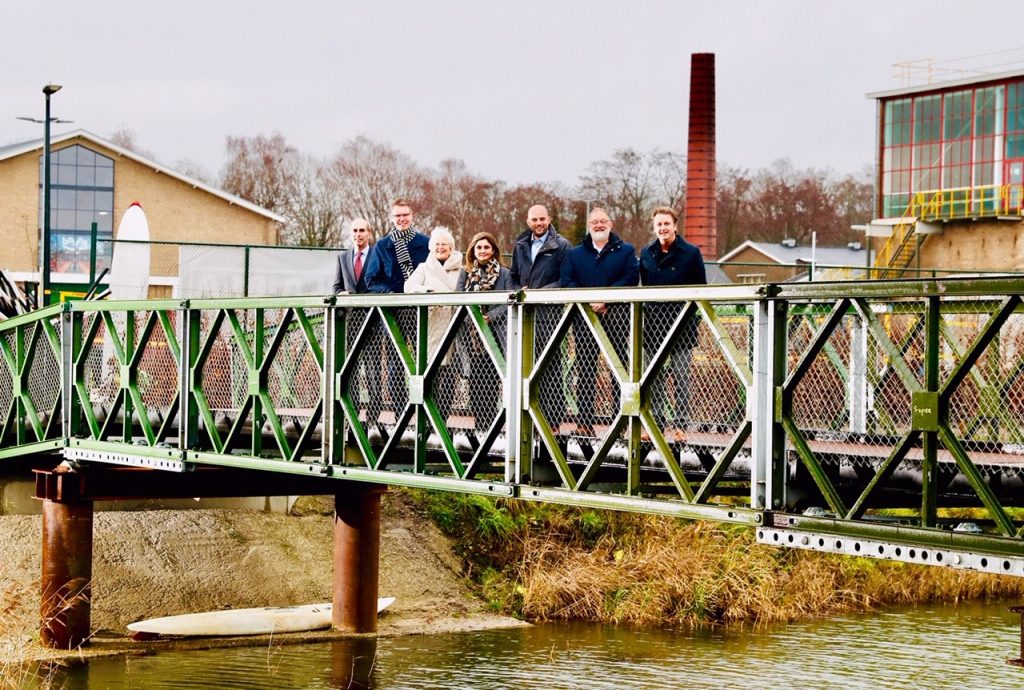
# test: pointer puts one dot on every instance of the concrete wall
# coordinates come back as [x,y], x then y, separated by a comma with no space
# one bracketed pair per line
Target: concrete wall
[985,245]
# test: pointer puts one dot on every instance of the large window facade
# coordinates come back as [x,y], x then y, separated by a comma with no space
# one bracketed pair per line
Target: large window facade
[81,193]
[967,142]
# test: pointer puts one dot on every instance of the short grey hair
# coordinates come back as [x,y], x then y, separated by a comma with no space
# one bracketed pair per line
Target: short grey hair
[441,233]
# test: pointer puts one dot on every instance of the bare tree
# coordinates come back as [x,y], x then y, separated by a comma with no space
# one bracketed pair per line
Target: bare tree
[125,138]
[314,210]
[781,202]
[631,184]
[368,176]
[196,171]
[854,199]
[262,170]
[734,187]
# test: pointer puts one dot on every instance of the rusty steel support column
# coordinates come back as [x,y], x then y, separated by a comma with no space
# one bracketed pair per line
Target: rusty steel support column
[66,606]
[356,557]
[699,225]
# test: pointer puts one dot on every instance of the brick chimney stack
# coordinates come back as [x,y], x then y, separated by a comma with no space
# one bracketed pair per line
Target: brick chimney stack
[699,224]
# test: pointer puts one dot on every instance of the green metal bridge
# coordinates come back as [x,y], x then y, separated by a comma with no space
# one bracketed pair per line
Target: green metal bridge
[880,419]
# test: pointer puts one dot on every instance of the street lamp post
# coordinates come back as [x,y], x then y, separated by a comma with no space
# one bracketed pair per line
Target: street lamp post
[44,268]
[586,219]
[44,275]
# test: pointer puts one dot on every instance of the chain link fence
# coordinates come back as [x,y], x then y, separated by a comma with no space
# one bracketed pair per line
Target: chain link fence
[189,270]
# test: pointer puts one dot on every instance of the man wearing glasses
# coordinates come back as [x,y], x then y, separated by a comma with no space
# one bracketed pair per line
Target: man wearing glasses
[601,260]
[397,255]
[391,262]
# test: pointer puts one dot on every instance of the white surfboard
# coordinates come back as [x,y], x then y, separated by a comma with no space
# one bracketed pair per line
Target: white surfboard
[258,621]
[129,265]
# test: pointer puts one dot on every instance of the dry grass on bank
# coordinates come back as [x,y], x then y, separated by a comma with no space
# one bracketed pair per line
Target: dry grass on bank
[546,562]
[690,574]
[16,636]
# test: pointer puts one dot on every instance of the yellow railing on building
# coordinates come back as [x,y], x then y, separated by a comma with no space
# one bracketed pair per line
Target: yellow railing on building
[986,201]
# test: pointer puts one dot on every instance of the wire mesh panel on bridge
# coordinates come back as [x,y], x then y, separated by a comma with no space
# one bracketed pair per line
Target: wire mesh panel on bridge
[126,376]
[411,373]
[912,403]
[258,381]
[643,398]
[30,383]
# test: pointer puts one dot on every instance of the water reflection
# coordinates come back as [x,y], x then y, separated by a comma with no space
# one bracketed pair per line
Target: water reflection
[353,663]
[924,647]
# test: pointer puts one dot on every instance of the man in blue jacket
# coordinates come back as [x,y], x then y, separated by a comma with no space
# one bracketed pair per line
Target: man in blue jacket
[539,252]
[397,255]
[602,259]
[392,260]
[671,260]
[537,263]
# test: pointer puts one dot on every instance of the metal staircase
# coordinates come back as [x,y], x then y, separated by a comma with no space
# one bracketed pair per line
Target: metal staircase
[896,255]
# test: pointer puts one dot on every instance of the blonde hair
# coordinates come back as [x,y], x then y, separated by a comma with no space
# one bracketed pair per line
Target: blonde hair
[667,211]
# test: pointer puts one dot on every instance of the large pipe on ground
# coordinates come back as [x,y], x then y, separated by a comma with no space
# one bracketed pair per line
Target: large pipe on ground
[699,225]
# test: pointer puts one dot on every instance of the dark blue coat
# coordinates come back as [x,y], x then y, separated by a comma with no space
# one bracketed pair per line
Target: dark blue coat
[614,266]
[383,274]
[546,270]
[682,264]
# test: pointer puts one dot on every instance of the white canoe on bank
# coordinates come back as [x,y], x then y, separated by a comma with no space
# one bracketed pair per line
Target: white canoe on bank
[259,621]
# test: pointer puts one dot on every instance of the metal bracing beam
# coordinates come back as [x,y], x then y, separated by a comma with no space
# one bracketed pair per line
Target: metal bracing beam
[587,471]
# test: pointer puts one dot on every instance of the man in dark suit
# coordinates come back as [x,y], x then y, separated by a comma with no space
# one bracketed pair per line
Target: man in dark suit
[349,276]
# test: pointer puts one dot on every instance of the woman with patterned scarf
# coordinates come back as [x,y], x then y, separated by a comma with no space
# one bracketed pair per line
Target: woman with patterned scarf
[484,271]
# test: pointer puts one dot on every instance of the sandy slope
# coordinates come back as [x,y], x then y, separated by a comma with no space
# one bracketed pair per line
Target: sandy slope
[156,563]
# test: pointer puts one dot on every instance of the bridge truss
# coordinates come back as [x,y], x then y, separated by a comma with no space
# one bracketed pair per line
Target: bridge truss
[880,419]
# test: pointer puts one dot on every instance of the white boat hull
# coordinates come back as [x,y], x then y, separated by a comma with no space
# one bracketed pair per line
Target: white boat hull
[258,621]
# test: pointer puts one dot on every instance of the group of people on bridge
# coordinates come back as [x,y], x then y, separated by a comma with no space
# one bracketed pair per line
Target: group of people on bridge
[406,260]
[541,257]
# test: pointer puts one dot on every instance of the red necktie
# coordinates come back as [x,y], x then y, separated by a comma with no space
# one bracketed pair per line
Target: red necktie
[359,265]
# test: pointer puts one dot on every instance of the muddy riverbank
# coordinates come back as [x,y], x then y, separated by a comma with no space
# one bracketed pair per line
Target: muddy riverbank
[166,562]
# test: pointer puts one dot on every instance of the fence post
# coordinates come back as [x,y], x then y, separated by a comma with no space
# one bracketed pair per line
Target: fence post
[767,463]
[858,382]
[759,404]
[513,391]
[245,273]
[520,370]
[929,443]
[188,411]
[332,439]
[70,345]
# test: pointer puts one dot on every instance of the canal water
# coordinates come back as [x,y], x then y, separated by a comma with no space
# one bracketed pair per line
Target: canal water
[923,647]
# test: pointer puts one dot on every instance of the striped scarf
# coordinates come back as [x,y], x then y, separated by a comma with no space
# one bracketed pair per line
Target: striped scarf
[402,239]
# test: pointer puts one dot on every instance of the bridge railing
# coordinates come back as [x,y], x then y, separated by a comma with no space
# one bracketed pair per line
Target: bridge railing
[30,383]
[892,408]
[906,396]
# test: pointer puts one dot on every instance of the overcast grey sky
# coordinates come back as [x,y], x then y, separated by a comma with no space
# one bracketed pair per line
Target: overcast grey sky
[522,91]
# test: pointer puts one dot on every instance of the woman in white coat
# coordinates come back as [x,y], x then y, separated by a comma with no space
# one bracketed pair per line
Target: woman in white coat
[439,273]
